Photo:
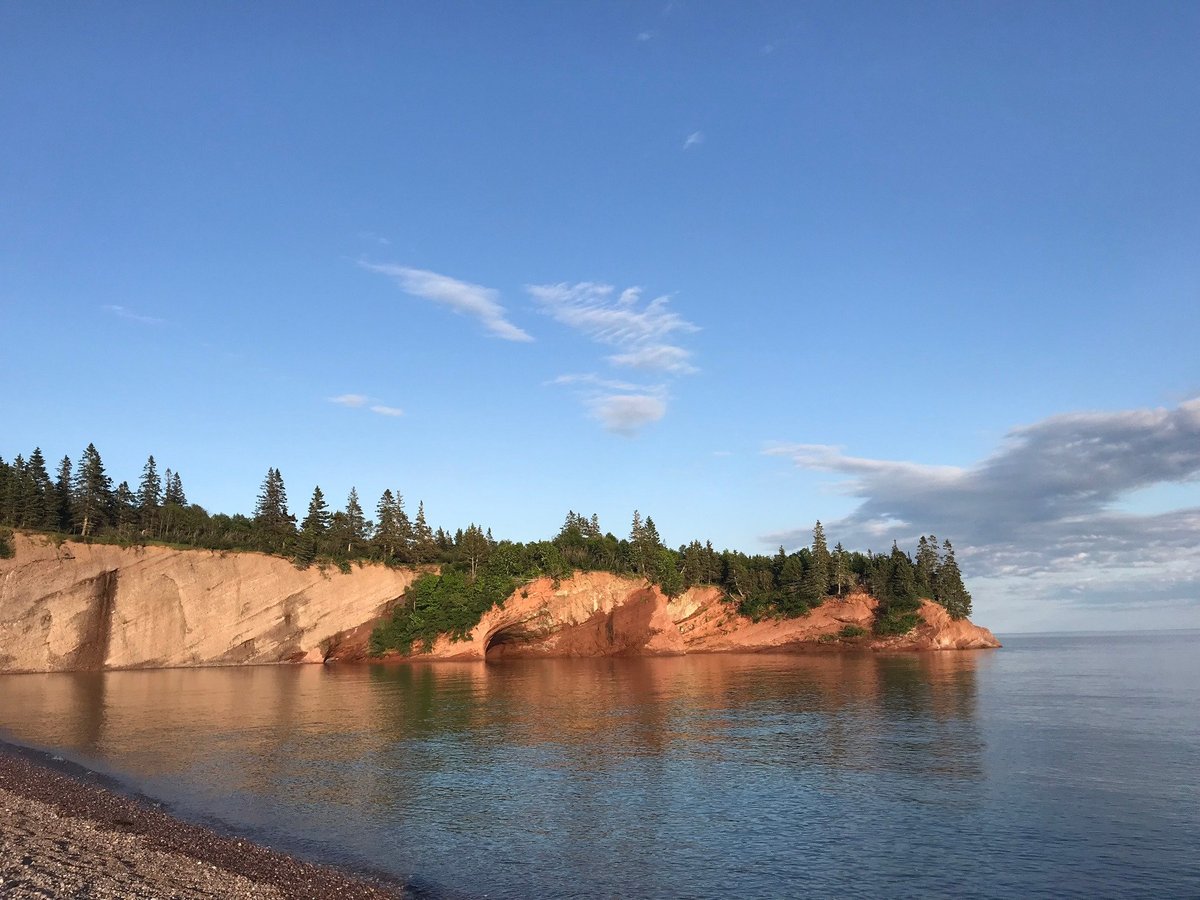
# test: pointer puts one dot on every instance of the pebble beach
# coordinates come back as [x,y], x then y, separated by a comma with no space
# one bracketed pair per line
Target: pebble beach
[65,834]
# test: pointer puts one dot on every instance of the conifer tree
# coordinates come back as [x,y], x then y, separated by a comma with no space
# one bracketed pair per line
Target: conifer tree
[62,494]
[816,577]
[91,492]
[312,529]
[404,531]
[424,548]
[43,511]
[16,497]
[841,568]
[126,511]
[5,481]
[951,592]
[355,524]
[149,495]
[927,565]
[173,490]
[387,532]
[636,545]
[901,581]
[271,515]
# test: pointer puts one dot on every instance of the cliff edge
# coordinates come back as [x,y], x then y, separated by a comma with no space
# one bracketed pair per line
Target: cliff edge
[81,606]
[600,614]
[73,606]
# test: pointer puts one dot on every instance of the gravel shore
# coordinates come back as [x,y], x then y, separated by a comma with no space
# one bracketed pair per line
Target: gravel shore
[71,837]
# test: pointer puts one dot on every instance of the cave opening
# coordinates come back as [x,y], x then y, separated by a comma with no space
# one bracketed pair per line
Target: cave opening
[508,640]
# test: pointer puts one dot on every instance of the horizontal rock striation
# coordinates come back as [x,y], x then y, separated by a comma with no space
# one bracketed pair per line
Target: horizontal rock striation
[80,606]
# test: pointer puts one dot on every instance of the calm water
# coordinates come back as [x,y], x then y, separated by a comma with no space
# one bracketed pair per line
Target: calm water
[1065,765]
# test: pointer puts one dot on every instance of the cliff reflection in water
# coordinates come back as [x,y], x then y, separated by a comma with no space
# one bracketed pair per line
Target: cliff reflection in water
[434,767]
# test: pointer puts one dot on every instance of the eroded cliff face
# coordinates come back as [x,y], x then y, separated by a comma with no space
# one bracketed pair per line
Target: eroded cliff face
[92,606]
[599,614]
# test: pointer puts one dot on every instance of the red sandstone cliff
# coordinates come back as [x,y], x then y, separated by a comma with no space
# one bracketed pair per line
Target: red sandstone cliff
[600,614]
[94,606]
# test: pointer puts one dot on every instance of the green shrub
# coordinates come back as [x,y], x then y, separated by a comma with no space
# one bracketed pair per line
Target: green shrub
[851,631]
[896,622]
[450,603]
[6,547]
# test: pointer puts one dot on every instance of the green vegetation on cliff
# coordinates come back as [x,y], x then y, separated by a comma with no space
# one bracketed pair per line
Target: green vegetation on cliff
[476,570]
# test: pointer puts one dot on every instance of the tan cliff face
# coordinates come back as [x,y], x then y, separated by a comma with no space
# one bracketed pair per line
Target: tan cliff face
[95,606]
[91,606]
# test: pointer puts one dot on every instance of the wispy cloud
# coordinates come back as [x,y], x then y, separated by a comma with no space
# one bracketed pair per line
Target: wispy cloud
[1041,509]
[474,300]
[643,335]
[593,380]
[621,407]
[695,139]
[374,238]
[644,36]
[616,320]
[358,401]
[627,414]
[126,313]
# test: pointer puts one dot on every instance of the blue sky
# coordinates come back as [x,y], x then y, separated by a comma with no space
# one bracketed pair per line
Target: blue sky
[900,267]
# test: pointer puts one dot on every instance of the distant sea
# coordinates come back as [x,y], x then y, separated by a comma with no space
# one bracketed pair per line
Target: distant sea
[1064,765]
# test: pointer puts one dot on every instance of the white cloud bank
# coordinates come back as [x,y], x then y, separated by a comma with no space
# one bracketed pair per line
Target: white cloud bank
[1037,520]
[474,300]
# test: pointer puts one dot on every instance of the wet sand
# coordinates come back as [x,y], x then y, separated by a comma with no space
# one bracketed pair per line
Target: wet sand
[65,834]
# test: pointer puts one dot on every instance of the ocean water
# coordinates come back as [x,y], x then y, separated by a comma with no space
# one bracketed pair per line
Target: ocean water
[1062,764]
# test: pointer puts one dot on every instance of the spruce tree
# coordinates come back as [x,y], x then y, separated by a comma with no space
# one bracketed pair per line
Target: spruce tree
[927,565]
[313,529]
[356,524]
[637,544]
[126,511]
[271,517]
[816,578]
[387,535]
[43,512]
[149,495]
[841,568]
[951,592]
[91,492]
[62,494]
[173,490]
[901,582]
[424,548]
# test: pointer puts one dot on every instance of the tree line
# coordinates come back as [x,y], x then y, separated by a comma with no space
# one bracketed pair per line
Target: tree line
[475,569]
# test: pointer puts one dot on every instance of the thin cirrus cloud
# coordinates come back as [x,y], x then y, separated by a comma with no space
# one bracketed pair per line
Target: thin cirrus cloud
[644,337]
[475,300]
[695,139]
[359,401]
[124,312]
[1043,509]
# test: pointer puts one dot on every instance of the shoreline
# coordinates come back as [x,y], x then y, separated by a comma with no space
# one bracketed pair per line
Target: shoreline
[66,830]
